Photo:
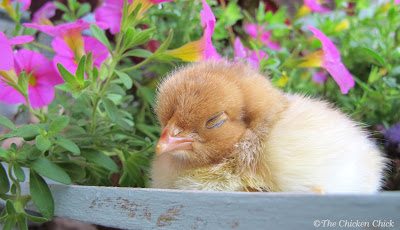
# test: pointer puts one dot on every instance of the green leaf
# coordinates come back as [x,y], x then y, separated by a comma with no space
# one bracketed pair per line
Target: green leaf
[36,219]
[19,173]
[10,208]
[41,195]
[100,35]
[80,71]
[23,83]
[5,122]
[111,109]
[140,38]
[22,222]
[3,153]
[61,6]
[100,159]
[9,223]
[58,124]
[75,171]
[68,145]
[4,183]
[67,76]
[373,54]
[138,53]
[126,80]
[83,9]
[50,170]
[28,132]
[164,46]
[147,94]
[42,143]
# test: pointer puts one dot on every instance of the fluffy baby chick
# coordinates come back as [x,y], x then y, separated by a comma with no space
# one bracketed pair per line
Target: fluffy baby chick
[225,127]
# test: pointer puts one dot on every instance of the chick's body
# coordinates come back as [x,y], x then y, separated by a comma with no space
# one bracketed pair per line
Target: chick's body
[264,140]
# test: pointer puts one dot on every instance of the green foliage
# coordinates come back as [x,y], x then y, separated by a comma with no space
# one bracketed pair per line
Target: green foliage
[105,133]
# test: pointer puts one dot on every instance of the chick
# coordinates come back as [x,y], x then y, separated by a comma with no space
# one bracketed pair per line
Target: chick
[226,128]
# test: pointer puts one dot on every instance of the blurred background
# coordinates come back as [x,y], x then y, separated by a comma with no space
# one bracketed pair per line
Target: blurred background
[367,33]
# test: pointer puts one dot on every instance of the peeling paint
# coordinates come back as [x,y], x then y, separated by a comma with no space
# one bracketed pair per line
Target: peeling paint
[169,216]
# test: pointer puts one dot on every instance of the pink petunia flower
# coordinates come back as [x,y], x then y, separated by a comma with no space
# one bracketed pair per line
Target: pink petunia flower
[109,15]
[250,56]
[208,23]
[6,60]
[69,58]
[315,6]
[44,13]
[62,30]
[257,32]
[329,59]
[42,77]
[203,48]
[69,44]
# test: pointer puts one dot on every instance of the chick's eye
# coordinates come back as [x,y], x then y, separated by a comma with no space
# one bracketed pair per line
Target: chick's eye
[216,120]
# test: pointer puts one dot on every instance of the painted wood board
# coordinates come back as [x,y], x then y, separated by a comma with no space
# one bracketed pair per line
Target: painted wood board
[134,208]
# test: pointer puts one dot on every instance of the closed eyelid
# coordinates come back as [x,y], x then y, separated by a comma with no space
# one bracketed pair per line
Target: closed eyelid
[216,120]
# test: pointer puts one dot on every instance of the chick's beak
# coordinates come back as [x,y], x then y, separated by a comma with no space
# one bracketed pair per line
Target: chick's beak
[168,142]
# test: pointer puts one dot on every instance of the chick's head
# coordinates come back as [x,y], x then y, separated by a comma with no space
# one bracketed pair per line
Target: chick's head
[200,111]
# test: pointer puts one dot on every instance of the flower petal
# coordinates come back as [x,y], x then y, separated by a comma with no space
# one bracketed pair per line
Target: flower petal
[255,58]
[315,6]
[41,95]
[98,50]
[330,50]
[238,49]
[159,1]
[333,63]
[208,23]
[44,13]
[38,65]
[109,15]
[191,51]
[61,29]
[6,60]
[252,30]
[9,95]
[341,75]
[20,40]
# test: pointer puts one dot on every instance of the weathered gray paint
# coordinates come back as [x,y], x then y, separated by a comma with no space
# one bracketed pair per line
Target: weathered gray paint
[133,208]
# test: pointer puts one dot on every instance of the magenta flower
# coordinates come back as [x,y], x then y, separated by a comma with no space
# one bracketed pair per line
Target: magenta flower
[6,60]
[42,77]
[62,30]
[315,6]
[208,23]
[69,44]
[203,48]
[320,77]
[258,33]
[44,13]
[109,15]
[250,56]
[330,60]
[69,59]
[20,40]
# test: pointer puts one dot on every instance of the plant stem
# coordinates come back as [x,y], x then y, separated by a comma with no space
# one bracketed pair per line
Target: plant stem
[137,66]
